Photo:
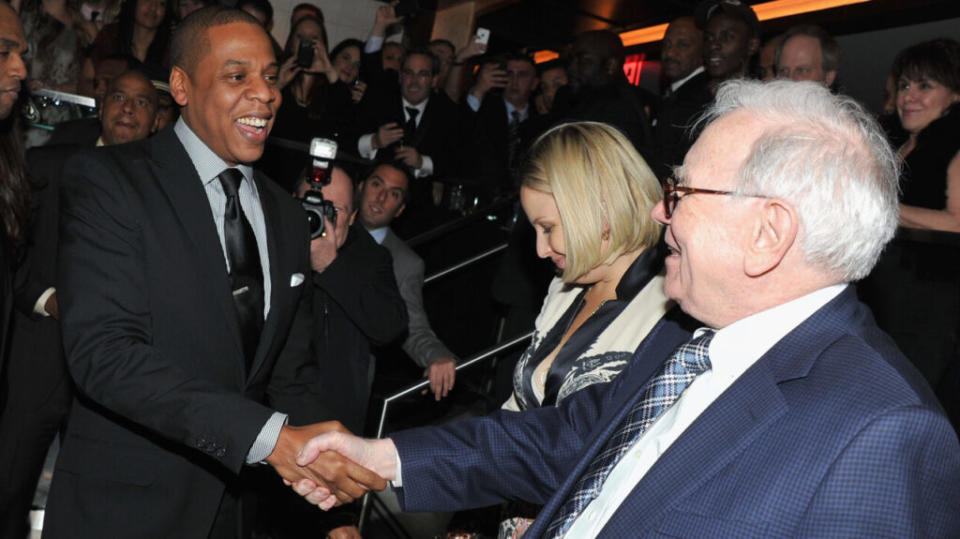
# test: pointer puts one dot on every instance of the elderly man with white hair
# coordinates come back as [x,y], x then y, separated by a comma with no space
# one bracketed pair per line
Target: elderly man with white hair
[787,413]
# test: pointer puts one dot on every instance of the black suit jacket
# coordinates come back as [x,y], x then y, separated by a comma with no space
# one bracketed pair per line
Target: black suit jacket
[166,411]
[674,133]
[356,303]
[486,155]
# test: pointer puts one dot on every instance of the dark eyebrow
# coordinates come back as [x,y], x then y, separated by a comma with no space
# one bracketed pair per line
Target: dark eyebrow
[7,42]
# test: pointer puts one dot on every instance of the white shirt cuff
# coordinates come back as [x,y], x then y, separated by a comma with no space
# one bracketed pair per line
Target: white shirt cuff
[267,439]
[426,167]
[373,44]
[398,482]
[365,146]
[473,101]
[40,307]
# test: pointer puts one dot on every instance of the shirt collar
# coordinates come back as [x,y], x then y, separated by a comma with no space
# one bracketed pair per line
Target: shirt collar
[208,164]
[639,273]
[379,233]
[511,108]
[675,85]
[421,106]
[746,340]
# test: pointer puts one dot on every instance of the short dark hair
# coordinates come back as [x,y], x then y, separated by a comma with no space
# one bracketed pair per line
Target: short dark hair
[552,64]
[262,6]
[423,51]
[520,57]
[829,48]
[349,42]
[937,59]
[190,40]
[445,42]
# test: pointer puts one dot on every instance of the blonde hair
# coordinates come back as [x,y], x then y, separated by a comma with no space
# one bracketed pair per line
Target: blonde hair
[601,186]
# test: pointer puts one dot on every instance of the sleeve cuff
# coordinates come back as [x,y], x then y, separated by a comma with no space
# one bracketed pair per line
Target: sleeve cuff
[426,167]
[473,102]
[373,44]
[398,482]
[40,307]
[365,146]
[267,439]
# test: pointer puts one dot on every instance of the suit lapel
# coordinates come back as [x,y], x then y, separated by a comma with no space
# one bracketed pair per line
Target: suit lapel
[179,180]
[278,288]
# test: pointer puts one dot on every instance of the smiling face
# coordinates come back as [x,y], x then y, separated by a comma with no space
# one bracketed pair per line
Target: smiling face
[129,111]
[707,234]
[347,64]
[230,98]
[382,197]
[417,78]
[727,47]
[12,69]
[543,214]
[920,102]
[682,49]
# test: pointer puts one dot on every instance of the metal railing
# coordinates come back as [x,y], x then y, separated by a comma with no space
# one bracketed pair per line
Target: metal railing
[489,353]
[460,265]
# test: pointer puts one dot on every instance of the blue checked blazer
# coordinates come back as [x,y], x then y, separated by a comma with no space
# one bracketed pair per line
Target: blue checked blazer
[831,433]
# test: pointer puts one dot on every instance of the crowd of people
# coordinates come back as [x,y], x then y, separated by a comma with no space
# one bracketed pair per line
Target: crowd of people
[163,313]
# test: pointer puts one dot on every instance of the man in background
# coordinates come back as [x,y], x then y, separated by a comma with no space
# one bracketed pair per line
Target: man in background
[808,52]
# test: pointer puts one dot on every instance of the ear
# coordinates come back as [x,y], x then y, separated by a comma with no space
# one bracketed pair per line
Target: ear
[179,85]
[773,235]
[752,47]
[156,123]
[536,84]
[831,76]
[402,207]
[353,216]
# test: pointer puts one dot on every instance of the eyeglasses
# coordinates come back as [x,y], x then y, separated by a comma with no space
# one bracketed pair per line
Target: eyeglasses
[671,194]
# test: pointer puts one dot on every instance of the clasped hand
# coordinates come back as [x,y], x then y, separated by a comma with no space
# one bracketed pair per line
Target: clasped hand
[378,457]
[335,479]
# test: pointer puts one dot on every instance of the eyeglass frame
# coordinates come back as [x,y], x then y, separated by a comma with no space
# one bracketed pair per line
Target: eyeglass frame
[671,196]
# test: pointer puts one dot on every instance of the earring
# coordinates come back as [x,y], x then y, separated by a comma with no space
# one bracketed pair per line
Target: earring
[605,235]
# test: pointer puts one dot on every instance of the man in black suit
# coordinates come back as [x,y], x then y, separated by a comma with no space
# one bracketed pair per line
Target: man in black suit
[687,93]
[185,319]
[598,90]
[39,386]
[504,121]
[414,126]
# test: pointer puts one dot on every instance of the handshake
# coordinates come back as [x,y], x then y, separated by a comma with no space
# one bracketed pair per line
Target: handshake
[328,466]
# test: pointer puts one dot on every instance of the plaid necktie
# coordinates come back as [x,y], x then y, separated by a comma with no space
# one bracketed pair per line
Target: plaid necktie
[659,393]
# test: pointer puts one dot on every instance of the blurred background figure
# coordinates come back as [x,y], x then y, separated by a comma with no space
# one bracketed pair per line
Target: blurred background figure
[808,52]
[553,75]
[731,38]
[766,61]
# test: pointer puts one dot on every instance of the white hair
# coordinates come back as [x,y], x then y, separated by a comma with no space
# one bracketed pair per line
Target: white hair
[827,157]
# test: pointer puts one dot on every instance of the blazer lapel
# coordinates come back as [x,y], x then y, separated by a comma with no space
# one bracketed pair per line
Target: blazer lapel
[179,180]
[278,288]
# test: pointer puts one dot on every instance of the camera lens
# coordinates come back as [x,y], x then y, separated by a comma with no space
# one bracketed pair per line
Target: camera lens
[315,222]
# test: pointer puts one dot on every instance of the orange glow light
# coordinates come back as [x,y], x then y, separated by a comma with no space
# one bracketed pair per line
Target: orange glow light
[544,56]
[764,11]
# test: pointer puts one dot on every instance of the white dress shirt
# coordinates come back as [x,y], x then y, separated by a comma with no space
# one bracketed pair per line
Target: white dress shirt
[367,151]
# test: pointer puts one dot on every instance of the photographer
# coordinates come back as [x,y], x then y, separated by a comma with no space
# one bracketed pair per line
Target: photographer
[356,304]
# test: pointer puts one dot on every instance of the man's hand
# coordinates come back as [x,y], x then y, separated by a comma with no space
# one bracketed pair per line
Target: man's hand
[386,135]
[410,157]
[51,306]
[334,477]
[323,249]
[489,77]
[376,456]
[473,48]
[442,373]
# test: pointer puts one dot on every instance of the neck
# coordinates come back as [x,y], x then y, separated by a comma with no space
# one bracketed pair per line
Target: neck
[142,38]
[606,286]
[518,104]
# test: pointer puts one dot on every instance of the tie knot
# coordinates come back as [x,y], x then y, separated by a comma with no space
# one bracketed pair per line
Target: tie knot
[515,116]
[230,180]
[413,113]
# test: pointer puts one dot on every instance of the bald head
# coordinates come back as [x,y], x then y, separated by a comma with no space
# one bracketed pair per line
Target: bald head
[190,42]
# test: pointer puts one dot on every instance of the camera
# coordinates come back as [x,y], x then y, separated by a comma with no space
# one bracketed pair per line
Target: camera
[318,210]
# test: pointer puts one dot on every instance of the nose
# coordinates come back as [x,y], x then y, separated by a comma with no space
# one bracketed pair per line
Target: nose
[382,196]
[543,247]
[659,213]
[18,69]
[261,90]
